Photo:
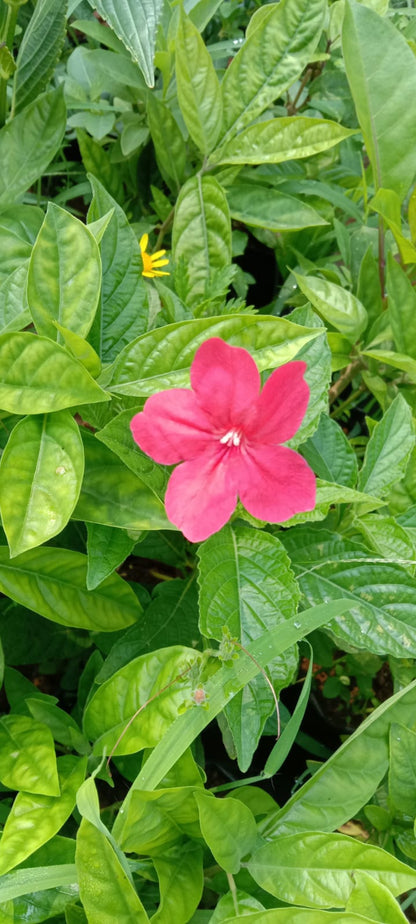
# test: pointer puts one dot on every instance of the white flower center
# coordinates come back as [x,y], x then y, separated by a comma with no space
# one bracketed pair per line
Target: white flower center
[232,438]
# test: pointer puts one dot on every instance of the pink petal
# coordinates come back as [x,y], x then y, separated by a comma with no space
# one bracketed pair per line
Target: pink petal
[281,406]
[226,382]
[274,483]
[200,497]
[172,427]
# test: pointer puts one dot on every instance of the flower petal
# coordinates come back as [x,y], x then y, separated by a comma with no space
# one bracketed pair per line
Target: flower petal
[226,382]
[200,497]
[281,406]
[172,427]
[144,240]
[274,483]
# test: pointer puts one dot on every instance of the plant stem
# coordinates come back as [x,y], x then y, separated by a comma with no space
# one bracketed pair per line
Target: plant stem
[381,257]
[347,376]
[164,228]
[353,396]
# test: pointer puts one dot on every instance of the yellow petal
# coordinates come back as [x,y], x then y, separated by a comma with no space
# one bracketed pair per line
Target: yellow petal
[159,253]
[144,240]
[159,262]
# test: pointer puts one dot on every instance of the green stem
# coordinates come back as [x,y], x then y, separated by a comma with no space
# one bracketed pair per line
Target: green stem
[350,400]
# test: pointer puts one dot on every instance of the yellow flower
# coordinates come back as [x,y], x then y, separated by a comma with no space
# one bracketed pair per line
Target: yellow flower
[152,261]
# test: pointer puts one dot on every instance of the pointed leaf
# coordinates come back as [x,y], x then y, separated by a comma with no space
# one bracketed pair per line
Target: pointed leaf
[272,57]
[262,207]
[271,341]
[106,892]
[29,142]
[41,471]
[201,236]
[64,277]
[198,88]
[124,308]
[377,58]
[37,376]
[402,308]
[373,899]
[169,143]
[335,304]
[14,310]
[277,140]
[135,23]
[228,827]
[330,454]
[107,549]
[181,882]
[34,819]
[39,51]
[388,449]
[52,582]
[27,756]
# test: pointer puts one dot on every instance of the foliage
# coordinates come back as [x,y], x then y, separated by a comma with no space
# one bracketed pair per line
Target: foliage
[269,149]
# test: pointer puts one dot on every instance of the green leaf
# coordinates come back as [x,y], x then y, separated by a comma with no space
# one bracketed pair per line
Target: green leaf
[81,349]
[398,360]
[377,58]
[29,142]
[271,341]
[37,376]
[388,449]
[385,535]
[41,471]
[373,899]
[228,827]
[39,51]
[402,770]
[27,756]
[135,23]
[277,140]
[383,595]
[198,89]
[181,882]
[34,819]
[27,881]
[201,235]
[152,684]
[220,688]
[106,892]
[272,57]
[63,727]
[124,308]
[246,586]
[64,277]
[324,802]
[52,582]
[402,308]
[113,496]
[262,207]
[14,310]
[330,454]
[317,356]
[169,143]
[19,227]
[387,203]
[336,305]
[107,549]
[117,436]
[300,916]
[315,869]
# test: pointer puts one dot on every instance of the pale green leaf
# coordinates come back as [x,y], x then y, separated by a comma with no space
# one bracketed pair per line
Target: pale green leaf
[315,869]
[398,360]
[271,341]
[269,208]
[402,770]
[41,471]
[201,235]
[402,308]
[335,304]
[124,308]
[135,23]
[181,882]
[28,880]
[277,140]
[27,756]
[106,892]
[373,899]
[169,144]
[228,827]
[14,311]
[272,57]
[385,535]
[388,449]
[39,51]
[198,89]
[156,684]
[113,495]
[381,70]
[325,801]
[19,227]
[28,144]
[52,582]
[64,278]
[38,376]
[34,819]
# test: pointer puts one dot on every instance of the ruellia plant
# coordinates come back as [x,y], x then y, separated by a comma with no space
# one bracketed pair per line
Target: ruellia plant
[208,465]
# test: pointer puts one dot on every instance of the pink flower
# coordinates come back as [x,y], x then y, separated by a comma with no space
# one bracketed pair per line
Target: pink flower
[227,435]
